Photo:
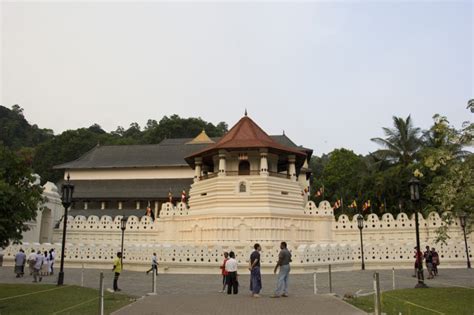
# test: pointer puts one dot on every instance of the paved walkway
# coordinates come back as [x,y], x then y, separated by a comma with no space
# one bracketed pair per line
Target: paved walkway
[208,304]
[198,294]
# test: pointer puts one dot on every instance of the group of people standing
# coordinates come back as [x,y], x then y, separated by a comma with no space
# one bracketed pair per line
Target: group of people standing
[40,263]
[432,261]
[230,275]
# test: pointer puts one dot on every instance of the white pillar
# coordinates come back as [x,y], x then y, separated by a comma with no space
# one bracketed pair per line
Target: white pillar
[222,164]
[263,162]
[120,205]
[197,169]
[292,167]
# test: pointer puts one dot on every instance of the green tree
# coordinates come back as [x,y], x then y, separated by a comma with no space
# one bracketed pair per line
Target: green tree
[342,176]
[401,146]
[448,170]
[401,142]
[20,196]
[16,132]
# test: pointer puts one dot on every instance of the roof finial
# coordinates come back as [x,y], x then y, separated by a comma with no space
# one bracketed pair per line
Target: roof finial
[246,112]
[283,131]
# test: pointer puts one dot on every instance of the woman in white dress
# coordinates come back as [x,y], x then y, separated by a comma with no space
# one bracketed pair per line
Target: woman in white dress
[44,267]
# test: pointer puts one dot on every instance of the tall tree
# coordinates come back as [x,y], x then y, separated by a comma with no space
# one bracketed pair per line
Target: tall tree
[448,170]
[20,196]
[401,142]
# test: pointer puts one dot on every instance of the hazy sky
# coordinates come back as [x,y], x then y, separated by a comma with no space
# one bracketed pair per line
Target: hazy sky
[331,74]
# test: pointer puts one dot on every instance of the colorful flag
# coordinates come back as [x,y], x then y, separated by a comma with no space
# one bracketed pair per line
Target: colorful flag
[319,192]
[183,196]
[366,205]
[337,204]
[353,205]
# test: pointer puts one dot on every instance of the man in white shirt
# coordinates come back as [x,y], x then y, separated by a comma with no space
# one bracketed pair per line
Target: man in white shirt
[154,264]
[37,266]
[20,259]
[231,268]
[31,261]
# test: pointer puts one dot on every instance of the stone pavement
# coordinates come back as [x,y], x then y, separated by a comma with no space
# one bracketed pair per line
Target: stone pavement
[197,294]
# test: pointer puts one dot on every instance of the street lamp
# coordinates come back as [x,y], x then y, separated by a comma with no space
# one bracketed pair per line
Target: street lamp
[462,219]
[360,225]
[415,198]
[67,189]
[123,226]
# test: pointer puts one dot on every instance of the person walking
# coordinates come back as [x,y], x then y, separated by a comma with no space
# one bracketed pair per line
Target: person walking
[52,258]
[37,267]
[255,275]
[31,261]
[20,260]
[435,256]
[45,265]
[231,268]
[117,269]
[429,262]
[284,259]
[154,264]
[224,272]
[418,258]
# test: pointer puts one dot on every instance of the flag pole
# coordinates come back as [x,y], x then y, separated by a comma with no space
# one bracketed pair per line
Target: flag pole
[323,192]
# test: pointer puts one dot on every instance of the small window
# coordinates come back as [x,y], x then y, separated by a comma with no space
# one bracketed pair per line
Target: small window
[242,187]
[284,193]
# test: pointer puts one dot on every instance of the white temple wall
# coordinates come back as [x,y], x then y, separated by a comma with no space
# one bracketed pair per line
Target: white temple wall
[185,243]
[261,194]
[41,229]
[131,173]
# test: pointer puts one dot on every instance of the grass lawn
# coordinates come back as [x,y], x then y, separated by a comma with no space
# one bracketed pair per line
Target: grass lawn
[51,299]
[456,301]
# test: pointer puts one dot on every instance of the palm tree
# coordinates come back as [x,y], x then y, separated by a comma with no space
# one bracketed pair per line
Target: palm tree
[401,142]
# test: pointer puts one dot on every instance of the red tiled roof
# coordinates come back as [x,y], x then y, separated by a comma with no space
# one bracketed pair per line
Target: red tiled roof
[247,134]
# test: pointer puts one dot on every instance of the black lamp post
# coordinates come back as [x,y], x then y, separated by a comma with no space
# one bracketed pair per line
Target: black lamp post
[123,226]
[462,219]
[360,225]
[67,189]
[415,198]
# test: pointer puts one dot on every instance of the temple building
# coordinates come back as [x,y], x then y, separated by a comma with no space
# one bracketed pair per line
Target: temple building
[243,188]
[126,179]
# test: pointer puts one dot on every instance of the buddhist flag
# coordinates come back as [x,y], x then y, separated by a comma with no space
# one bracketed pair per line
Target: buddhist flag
[319,192]
[366,205]
[170,197]
[183,196]
[353,205]
[337,204]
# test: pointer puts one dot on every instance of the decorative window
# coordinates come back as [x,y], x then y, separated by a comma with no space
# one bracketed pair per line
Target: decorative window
[243,157]
[242,187]
[244,168]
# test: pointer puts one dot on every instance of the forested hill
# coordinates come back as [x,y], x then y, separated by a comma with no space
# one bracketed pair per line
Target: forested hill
[16,132]
[44,149]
